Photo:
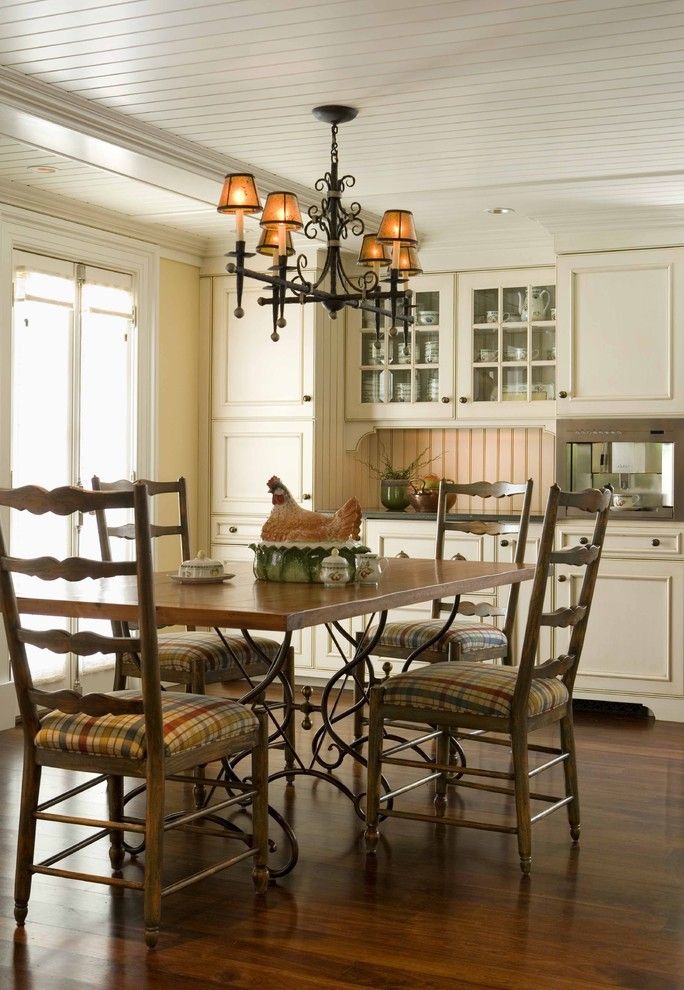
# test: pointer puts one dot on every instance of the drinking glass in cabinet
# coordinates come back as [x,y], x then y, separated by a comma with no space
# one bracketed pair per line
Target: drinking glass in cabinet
[485,384]
[372,386]
[514,304]
[486,306]
[401,386]
[428,349]
[427,385]
[372,350]
[543,384]
[542,303]
[514,384]
[544,343]
[400,353]
[427,309]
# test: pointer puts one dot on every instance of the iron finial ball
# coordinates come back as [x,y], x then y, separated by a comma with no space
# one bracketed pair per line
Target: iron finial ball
[281,322]
[275,335]
[239,312]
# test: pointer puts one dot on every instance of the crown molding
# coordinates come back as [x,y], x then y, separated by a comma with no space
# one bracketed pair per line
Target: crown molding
[42,115]
[184,246]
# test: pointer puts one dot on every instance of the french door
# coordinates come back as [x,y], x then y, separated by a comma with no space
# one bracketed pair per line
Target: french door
[73,413]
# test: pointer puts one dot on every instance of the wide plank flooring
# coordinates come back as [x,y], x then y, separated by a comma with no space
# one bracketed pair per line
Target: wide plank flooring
[440,909]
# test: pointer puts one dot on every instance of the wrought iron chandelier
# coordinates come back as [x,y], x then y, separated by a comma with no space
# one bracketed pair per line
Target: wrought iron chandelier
[388,296]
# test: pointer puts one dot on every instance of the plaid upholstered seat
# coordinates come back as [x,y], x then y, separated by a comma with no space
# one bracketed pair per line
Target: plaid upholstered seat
[470,688]
[179,652]
[410,635]
[190,720]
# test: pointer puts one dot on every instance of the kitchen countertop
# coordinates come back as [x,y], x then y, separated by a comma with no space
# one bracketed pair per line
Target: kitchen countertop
[455,516]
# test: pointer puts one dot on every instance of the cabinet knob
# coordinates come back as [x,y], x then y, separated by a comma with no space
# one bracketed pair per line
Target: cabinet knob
[655,542]
[446,398]
[504,543]
[232,529]
[307,398]
[562,394]
[562,578]
[463,398]
[584,540]
[306,497]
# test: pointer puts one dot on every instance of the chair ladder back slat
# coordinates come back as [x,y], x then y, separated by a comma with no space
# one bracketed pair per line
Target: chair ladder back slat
[84,644]
[95,704]
[577,556]
[70,569]
[561,618]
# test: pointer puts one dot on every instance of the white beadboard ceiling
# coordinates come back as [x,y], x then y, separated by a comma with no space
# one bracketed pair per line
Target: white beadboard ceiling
[568,111]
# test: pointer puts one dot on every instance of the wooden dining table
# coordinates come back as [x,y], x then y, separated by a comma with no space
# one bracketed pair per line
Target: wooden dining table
[267,606]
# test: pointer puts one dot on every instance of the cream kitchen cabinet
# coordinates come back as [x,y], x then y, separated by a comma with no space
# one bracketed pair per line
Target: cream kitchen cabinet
[620,333]
[252,375]
[634,649]
[506,345]
[389,381]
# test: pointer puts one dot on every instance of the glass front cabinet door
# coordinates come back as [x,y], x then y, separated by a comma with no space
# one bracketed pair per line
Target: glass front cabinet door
[394,380]
[506,329]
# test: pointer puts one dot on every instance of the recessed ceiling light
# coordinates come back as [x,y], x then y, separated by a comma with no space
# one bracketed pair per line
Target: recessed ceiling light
[498,210]
[42,169]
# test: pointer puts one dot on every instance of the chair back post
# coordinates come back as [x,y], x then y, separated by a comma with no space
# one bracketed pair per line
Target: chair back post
[149,654]
[586,595]
[21,672]
[184,522]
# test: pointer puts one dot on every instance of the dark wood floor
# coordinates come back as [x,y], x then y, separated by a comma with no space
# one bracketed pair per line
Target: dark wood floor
[440,908]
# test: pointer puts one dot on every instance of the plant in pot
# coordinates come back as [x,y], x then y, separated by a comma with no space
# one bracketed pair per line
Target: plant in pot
[395,482]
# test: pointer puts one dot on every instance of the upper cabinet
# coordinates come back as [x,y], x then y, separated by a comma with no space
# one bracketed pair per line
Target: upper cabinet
[391,380]
[620,333]
[506,350]
[253,376]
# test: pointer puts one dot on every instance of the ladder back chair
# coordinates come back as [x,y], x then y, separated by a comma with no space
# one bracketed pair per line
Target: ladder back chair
[480,698]
[464,640]
[193,658]
[146,734]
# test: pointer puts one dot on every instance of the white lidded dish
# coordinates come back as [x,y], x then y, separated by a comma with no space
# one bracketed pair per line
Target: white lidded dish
[201,567]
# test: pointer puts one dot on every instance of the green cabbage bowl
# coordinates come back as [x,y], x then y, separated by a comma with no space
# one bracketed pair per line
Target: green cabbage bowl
[299,561]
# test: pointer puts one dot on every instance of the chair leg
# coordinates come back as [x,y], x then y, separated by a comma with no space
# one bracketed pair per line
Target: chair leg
[567,734]
[359,696]
[30,787]
[115,806]
[197,685]
[374,771]
[290,728]
[443,748]
[120,679]
[260,873]
[154,838]
[522,797]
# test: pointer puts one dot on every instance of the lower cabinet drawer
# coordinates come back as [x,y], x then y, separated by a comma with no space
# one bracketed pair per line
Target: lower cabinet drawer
[651,541]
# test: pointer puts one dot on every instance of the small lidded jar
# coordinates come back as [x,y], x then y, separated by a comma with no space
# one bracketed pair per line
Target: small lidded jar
[335,570]
[200,567]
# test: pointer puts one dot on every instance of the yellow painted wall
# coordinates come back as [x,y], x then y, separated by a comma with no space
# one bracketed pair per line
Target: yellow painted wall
[178,393]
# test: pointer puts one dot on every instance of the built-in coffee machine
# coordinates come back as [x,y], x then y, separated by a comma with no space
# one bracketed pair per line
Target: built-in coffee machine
[643,460]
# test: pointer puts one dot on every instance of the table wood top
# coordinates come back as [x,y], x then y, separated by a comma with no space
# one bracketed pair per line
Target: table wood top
[244,603]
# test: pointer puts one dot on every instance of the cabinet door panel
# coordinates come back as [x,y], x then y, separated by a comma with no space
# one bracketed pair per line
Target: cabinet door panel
[620,316]
[252,374]
[634,640]
[247,454]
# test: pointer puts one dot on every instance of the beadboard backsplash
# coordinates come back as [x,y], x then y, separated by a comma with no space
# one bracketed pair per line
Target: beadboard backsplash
[462,455]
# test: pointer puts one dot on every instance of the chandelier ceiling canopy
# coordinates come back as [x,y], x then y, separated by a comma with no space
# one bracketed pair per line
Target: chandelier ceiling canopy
[392,247]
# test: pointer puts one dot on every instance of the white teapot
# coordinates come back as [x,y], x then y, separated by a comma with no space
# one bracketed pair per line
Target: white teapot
[540,303]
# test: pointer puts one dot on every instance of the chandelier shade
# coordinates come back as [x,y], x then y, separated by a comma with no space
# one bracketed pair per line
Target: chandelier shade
[239,193]
[269,242]
[409,263]
[373,254]
[282,210]
[397,225]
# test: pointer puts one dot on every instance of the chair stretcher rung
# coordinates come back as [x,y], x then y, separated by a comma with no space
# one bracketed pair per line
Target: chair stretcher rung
[448,768]
[192,816]
[400,747]
[72,793]
[210,871]
[550,763]
[77,846]
[409,787]
[89,877]
[457,822]
[90,822]
[554,807]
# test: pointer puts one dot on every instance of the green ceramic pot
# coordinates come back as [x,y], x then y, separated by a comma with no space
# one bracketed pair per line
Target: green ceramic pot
[299,561]
[394,493]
